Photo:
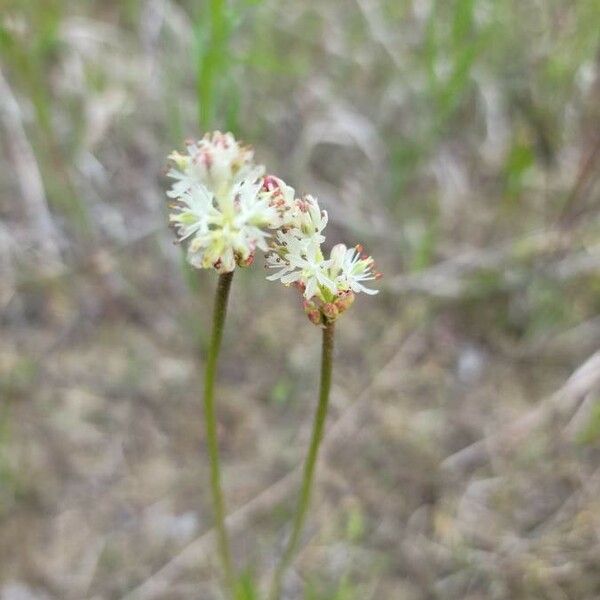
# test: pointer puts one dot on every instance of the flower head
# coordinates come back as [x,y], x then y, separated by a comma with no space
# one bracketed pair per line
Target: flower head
[220,206]
[327,284]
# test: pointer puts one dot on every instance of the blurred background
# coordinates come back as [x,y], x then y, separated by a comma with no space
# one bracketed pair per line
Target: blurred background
[459,141]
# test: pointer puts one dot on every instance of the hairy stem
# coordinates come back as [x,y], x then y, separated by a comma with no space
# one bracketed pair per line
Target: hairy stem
[210,421]
[309,465]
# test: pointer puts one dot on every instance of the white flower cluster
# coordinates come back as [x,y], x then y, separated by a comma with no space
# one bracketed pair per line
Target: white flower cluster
[220,207]
[328,284]
[225,206]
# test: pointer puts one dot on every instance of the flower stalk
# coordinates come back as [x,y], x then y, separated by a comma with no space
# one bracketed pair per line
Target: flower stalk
[210,423]
[310,463]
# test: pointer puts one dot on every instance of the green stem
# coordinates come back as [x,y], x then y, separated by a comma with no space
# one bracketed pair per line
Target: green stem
[309,465]
[212,55]
[210,421]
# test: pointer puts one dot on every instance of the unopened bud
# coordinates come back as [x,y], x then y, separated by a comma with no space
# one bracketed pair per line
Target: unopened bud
[331,311]
[270,183]
[344,300]
[246,262]
[312,312]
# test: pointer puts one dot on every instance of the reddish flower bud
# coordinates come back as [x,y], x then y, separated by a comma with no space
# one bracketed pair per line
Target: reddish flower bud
[331,311]
[246,262]
[344,300]
[312,312]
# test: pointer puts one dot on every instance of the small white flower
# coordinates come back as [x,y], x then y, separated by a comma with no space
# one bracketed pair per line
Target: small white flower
[306,219]
[192,214]
[280,196]
[351,267]
[309,218]
[301,216]
[301,261]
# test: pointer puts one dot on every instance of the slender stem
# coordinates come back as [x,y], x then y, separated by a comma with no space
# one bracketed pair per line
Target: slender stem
[309,465]
[210,421]
[211,57]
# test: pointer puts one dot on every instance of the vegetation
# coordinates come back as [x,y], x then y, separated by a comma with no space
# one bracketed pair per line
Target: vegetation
[459,139]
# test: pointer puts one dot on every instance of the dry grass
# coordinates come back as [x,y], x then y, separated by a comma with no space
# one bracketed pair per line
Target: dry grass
[460,141]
